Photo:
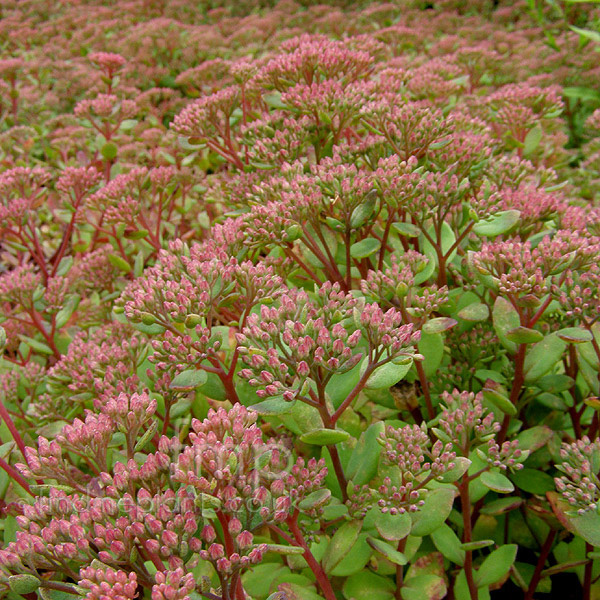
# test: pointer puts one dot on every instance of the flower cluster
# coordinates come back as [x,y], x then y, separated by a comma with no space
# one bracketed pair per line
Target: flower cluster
[410,449]
[579,483]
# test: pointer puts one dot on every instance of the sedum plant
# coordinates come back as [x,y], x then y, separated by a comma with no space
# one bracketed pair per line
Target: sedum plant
[299,301]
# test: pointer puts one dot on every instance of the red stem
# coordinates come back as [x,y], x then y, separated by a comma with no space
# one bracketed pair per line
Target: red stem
[66,238]
[357,389]
[466,514]
[15,475]
[315,567]
[400,570]
[587,575]
[544,553]
[518,381]
[13,430]
[35,317]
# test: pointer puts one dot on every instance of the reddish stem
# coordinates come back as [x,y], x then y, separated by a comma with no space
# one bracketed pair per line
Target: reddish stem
[15,475]
[35,317]
[466,514]
[425,385]
[315,567]
[544,553]
[518,381]
[587,574]
[13,430]
[352,395]
[400,570]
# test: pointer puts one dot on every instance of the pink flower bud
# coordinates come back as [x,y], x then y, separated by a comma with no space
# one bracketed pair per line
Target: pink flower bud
[244,540]
[216,551]
[234,526]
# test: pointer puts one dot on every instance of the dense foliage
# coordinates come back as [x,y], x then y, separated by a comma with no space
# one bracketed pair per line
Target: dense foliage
[299,301]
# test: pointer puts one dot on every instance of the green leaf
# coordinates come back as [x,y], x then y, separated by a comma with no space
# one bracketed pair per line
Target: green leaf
[64,266]
[364,460]
[324,437]
[341,384]
[447,239]
[587,526]
[498,224]
[533,481]
[574,335]
[534,438]
[47,594]
[139,234]
[431,346]
[257,581]
[214,388]
[148,435]
[461,588]
[66,312]
[589,34]
[474,312]
[188,380]
[388,551]
[295,591]
[542,357]
[23,583]
[273,100]
[368,586]
[424,587]
[335,224]
[438,325]
[551,401]
[532,140]
[461,466]
[109,151]
[363,211]
[128,124]
[273,406]
[497,482]
[555,383]
[500,401]
[36,345]
[340,544]
[505,317]
[314,500]
[406,229]
[356,559]
[501,506]
[524,335]
[447,542]
[385,376]
[470,546]
[435,510]
[496,565]
[284,549]
[138,264]
[392,527]
[119,262]
[364,248]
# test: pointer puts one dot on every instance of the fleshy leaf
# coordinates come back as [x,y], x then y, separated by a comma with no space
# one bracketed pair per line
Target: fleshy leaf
[324,437]
[393,527]
[435,510]
[497,224]
[189,380]
[496,565]
[340,544]
[388,551]
[497,482]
